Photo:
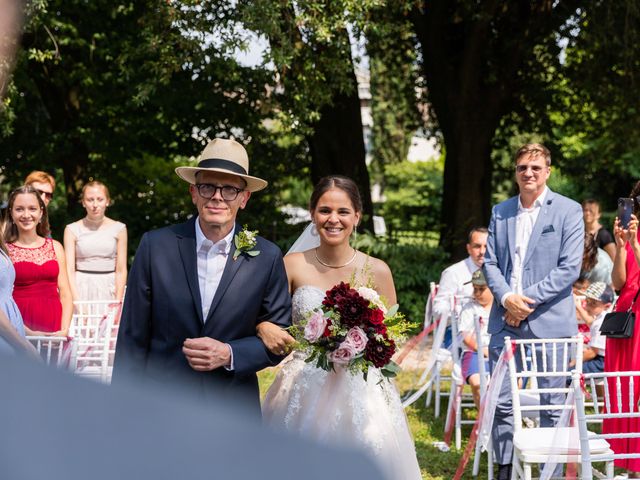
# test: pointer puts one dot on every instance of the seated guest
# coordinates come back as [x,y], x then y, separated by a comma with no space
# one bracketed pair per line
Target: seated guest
[579,287]
[599,297]
[96,249]
[455,279]
[602,236]
[44,184]
[41,288]
[480,306]
[596,264]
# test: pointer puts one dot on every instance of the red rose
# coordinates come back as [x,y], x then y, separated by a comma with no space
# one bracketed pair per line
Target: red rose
[376,317]
[327,332]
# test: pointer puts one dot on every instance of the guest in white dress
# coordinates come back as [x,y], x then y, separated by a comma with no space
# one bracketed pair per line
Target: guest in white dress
[337,406]
[96,249]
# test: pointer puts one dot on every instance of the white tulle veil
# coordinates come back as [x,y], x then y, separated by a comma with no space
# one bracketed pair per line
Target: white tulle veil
[307,240]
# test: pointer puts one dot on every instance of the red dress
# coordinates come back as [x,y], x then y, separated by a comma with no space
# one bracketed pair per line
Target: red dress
[36,287]
[624,354]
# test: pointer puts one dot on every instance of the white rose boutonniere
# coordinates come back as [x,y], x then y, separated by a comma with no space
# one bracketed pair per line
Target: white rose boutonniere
[245,241]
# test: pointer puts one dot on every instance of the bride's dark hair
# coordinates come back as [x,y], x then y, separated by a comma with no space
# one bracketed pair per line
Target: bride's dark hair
[345,184]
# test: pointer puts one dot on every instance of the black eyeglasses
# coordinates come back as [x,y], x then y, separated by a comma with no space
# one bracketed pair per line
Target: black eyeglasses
[524,168]
[48,195]
[228,192]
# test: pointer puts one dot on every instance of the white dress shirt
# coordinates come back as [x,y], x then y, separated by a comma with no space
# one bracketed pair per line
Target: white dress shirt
[212,258]
[525,220]
[452,282]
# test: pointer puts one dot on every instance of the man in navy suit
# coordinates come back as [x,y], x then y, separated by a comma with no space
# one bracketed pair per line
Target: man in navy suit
[193,300]
[534,254]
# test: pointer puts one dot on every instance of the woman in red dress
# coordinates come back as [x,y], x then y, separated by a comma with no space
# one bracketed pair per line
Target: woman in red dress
[41,289]
[623,354]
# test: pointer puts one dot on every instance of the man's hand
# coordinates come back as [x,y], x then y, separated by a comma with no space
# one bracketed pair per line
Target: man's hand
[205,354]
[518,308]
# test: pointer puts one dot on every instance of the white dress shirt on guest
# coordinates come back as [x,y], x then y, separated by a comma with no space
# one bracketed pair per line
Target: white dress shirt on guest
[452,282]
[212,258]
[525,221]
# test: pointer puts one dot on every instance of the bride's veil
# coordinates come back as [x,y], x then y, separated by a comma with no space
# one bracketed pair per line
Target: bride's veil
[307,240]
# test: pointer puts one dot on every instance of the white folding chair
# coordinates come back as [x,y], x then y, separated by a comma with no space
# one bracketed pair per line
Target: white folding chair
[549,359]
[94,336]
[619,401]
[484,379]
[458,398]
[56,351]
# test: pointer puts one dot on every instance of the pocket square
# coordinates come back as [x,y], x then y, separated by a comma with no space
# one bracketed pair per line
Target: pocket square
[548,229]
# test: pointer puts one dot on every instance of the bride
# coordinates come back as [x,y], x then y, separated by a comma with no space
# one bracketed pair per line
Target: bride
[338,406]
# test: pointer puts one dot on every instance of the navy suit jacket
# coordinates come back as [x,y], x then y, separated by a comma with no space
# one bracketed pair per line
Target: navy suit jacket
[163,307]
[551,264]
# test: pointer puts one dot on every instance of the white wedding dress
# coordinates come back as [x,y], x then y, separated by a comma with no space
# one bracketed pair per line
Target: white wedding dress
[339,407]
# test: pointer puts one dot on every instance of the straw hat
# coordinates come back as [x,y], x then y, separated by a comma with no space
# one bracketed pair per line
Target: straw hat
[224,156]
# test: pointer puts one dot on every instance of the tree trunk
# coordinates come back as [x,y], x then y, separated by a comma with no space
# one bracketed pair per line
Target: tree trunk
[337,147]
[466,196]
[475,58]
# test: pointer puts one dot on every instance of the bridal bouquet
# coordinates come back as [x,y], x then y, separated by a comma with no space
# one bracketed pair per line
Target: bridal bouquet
[353,328]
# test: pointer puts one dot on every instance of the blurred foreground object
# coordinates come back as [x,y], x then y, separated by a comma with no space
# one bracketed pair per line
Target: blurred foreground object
[71,426]
[10,25]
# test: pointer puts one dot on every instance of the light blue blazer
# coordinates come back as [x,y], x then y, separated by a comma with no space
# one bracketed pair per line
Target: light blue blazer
[551,265]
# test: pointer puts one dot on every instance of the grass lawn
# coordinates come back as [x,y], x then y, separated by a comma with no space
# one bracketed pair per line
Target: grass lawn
[425,429]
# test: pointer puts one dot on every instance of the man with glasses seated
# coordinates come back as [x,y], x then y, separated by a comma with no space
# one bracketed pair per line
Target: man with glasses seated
[44,183]
[197,290]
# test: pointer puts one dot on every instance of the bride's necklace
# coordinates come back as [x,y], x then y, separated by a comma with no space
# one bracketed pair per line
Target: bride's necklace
[350,261]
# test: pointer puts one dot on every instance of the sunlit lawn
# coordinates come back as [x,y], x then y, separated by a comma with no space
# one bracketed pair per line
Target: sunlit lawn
[426,430]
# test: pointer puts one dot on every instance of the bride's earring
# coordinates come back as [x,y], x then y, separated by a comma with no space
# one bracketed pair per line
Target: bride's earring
[354,234]
[314,229]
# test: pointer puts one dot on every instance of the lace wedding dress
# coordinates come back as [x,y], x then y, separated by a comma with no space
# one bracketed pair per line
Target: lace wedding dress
[338,407]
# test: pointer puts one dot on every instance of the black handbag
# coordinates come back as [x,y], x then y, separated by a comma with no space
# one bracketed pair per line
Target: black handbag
[619,324]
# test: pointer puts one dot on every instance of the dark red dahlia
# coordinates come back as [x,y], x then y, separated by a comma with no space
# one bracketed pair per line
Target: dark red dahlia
[333,296]
[353,309]
[379,353]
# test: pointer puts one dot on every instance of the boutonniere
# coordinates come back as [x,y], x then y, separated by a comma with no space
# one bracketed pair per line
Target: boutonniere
[245,241]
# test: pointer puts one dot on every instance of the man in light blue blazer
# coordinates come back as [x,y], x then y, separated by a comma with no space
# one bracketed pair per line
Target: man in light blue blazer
[534,254]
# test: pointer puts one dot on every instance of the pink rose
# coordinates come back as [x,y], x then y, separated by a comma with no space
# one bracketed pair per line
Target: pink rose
[315,327]
[343,354]
[357,339]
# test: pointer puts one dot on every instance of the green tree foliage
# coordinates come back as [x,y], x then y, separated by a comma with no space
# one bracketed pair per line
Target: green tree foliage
[413,194]
[122,92]
[393,63]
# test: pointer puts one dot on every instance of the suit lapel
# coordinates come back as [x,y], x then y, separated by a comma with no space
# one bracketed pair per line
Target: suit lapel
[187,247]
[230,269]
[541,221]
[511,228]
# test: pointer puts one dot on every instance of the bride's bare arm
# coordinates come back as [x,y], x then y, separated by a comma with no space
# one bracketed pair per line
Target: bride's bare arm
[274,337]
[384,281]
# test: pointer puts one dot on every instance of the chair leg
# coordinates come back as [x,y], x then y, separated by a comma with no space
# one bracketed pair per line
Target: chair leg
[516,469]
[527,471]
[610,469]
[437,394]
[458,419]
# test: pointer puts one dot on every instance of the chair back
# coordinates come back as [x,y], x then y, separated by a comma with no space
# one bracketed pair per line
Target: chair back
[56,351]
[94,331]
[532,359]
[615,396]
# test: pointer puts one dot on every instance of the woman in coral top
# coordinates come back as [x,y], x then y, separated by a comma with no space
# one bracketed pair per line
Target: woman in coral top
[41,288]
